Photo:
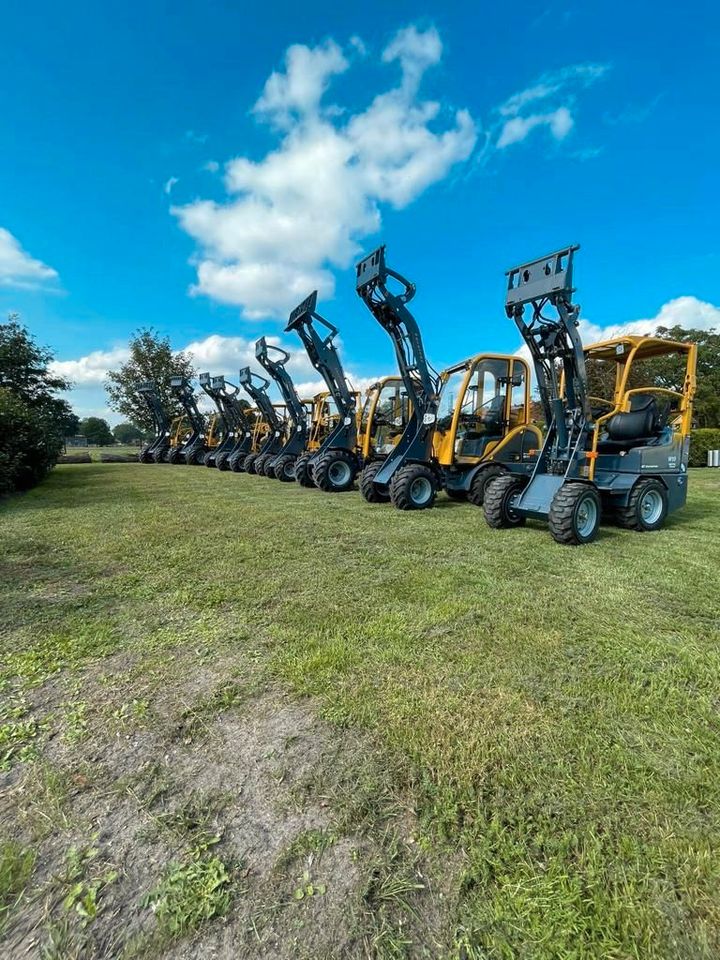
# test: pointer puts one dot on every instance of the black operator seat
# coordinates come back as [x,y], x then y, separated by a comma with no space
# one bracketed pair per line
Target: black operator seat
[644,421]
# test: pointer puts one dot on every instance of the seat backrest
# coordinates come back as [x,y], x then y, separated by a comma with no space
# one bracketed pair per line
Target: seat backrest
[641,421]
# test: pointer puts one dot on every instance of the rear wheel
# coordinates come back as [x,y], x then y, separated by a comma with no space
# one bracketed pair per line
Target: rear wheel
[414,487]
[498,500]
[209,460]
[221,461]
[174,456]
[368,488]
[262,464]
[145,456]
[481,481]
[335,471]
[646,509]
[574,516]
[284,469]
[248,464]
[302,470]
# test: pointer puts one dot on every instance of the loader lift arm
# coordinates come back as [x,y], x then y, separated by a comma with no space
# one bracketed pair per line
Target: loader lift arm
[238,441]
[422,383]
[557,352]
[323,355]
[158,446]
[273,359]
[193,449]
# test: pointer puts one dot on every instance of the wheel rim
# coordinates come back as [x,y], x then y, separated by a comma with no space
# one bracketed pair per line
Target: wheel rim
[290,470]
[651,506]
[339,473]
[586,517]
[421,490]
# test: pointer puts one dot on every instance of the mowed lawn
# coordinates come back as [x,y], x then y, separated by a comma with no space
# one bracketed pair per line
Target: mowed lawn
[553,713]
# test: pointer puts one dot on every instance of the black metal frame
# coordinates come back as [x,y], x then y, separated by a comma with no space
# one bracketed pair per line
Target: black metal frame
[421,381]
[256,388]
[321,350]
[273,359]
[182,389]
[239,435]
[161,422]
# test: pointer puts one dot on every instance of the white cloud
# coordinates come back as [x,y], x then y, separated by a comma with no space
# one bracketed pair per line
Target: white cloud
[302,209]
[549,102]
[92,368]
[212,166]
[169,184]
[18,268]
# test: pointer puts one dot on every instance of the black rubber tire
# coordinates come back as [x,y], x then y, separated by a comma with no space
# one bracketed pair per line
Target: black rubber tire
[368,488]
[284,468]
[209,460]
[459,495]
[335,471]
[481,481]
[262,463]
[414,487]
[566,514]
[145,456]
[498,493]
[174,456]
[632,517]
[249,462]
[221,461]
[302,470]
[160,456]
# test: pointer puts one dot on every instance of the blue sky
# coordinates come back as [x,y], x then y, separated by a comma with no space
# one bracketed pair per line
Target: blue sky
[200,167]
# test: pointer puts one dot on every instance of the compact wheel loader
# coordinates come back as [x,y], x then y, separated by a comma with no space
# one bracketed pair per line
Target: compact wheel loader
[282,465]
[269,429]
[468,425]
[334,465]
[194,447]
[155,450]
[238,443]
[219,432]
[623,454]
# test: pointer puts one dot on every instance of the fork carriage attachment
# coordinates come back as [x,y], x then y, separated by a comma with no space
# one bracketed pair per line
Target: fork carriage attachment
[282,466]
[194,447]
[335,464]
[621,454]
[157,448]
[236,432]
[269,445]
[406,476]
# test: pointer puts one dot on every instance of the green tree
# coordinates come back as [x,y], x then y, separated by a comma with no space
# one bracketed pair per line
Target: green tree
[32,416]
[151,358]
[97,431]
[667,372]
[127,433]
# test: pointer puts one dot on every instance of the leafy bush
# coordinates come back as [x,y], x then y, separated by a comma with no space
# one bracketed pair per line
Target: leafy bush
[33,419]
[700,442]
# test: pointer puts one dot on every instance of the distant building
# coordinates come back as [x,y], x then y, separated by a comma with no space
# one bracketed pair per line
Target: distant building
[76,441]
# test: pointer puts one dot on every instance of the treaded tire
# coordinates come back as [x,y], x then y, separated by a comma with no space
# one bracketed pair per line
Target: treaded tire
[335,471]
[249,462]
[262,465]
[209,460]
[302,470]
[458,495]
[284,469]
[574,517]
[481,481]
[414,487]
[174,456]
[221,461]
[368,487]
[496,503]
[637,515]
[145,456]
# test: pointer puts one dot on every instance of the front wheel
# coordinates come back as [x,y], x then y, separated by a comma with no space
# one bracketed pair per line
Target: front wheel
[414,487]
[221,461]
[284,469]
[335,471]
[646,509]
[574,516]
[302,470]
[498,500]
[371,491]
[481,481]
[248,464]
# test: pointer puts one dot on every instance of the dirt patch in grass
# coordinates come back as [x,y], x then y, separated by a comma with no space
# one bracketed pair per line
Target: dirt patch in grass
[223,819]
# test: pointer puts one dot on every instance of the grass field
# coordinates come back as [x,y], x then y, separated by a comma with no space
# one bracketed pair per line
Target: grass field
[244,719]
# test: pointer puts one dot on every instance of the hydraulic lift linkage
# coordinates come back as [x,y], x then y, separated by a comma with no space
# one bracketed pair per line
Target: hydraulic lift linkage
[156,449]
[256,388]
[193,449]
[273,359]
[239,439]
[421,381]
[206,384]
[335,463]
